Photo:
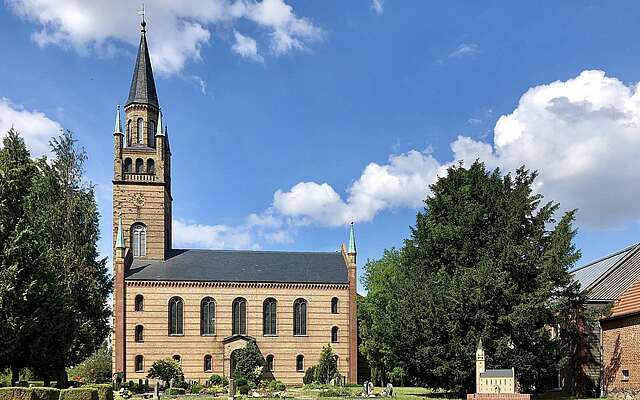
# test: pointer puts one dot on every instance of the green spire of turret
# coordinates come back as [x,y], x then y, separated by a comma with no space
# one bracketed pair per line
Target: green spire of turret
[118,128]
[352,240]
[120,235]
[159,130]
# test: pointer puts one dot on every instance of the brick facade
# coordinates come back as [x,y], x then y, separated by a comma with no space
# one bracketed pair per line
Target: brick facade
[621,352]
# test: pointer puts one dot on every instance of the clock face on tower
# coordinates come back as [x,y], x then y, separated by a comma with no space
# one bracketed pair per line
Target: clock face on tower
[137,199]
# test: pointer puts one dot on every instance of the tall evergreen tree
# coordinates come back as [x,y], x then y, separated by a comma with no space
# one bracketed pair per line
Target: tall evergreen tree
[486,259]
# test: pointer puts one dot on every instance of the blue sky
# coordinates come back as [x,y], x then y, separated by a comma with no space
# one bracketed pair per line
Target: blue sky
[287,120]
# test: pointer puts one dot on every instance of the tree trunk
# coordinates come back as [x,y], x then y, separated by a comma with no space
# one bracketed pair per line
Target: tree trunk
[15,375]
[62,378]
[47,381]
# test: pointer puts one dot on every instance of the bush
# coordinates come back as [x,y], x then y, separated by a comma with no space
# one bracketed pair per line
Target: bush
[327,368]
[105,390]
[47,393]
[16,393]
[174,391]
[196,388]
[218,380]
[95,369]
[166,370]
[244,389]
[241,381]
[309,375]
[248,362]
[79,394]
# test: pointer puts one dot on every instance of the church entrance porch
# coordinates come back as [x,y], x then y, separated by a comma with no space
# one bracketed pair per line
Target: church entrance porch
[230,346]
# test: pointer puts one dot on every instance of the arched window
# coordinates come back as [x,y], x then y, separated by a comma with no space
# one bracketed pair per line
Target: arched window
[176,308]
[269,363]
[139,166]
[300,317]
[208,316]
[152,132]
[151,166]
[140,132]
[139,363]
[139,333]
[300,363]
[139,303]
[139,240]
[239,317]
[208,364]
[269,315]
[127,165]
[334,305]
[177,358]
[129,134]
[334,334]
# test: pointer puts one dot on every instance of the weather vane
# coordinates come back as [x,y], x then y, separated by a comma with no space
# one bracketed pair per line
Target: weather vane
[141,13]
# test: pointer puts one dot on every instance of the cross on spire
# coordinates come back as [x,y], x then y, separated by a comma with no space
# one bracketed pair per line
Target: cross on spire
[143,24]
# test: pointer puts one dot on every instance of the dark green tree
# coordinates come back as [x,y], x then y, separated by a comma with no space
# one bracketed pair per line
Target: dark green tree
[486,259]
[248,362]
[327,367]
[165,370]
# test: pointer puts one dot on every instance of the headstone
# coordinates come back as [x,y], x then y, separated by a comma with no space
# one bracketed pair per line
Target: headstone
[389,389]
[156,391]
[365,388]
[171,382]
[370,389]
[232,389]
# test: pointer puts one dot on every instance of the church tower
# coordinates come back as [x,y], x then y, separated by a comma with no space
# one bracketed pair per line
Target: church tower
[480,368]
[142,168]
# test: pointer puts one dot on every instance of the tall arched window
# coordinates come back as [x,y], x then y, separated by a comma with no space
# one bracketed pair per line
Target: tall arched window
[139,363]
[129,133]
[239,317]
[208,364]
[176,308]
[334,305]
[334,334]
[151,166]
[139,240]
[139,303]
[140,131]
[300,317]
[139,337]
[152,132]
[208,316]
[300,363]
[128,165]
[269,363]
[269,315]
[139,166]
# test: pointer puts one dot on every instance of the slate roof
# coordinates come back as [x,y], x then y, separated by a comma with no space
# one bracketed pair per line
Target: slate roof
[243,266]
[497,373]
[143,87]
[605,279]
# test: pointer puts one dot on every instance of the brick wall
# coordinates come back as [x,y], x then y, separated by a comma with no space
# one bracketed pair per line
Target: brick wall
[621,352]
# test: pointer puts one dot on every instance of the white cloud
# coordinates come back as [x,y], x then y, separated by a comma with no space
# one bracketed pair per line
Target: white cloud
[465,49]
[35,127]
[246,47]
[378,6]
[402,182]
[582,135]
[186,234]
[177,30]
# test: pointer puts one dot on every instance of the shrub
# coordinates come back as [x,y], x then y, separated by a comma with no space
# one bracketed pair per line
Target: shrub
[248,362]
[279,386]
[105,390]
[166,370]
[79,394]
[95,369]
[218,380]
[16,393]
[327,367]
[174,391]
[241,381]
[47,393]
[196,388]
[309,375]
[244,389]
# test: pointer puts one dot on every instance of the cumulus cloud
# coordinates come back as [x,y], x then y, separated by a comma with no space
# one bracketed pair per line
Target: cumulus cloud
[177,30]
[187,234]
[35,127]
[246,47]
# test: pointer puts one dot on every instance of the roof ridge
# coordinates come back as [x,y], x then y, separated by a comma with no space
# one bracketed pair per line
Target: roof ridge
[259,251]
[628,248]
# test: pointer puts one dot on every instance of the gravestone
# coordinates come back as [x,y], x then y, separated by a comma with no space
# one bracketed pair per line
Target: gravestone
[232,389]
[389,389]
[370,389]
[156,391]
[365,388]
[171,382]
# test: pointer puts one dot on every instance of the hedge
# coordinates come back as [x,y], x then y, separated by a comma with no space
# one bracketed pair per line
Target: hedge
[105,390]
[174,391]
[33,393]
[83,393]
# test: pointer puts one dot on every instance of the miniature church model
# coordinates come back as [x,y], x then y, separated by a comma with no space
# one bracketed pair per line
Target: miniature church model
[493,380]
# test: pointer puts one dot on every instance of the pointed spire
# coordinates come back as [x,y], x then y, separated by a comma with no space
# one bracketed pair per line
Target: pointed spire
[143,87]
[120,235]
[480,344]
[352,240]
[159,130]
[118,128]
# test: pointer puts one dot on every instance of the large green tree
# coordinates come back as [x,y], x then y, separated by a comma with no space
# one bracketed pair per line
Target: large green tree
[53,287]
[485,260]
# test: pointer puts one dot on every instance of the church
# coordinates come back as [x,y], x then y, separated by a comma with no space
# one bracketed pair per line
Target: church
[199,306]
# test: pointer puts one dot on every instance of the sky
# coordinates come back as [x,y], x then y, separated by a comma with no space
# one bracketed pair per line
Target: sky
[289,119]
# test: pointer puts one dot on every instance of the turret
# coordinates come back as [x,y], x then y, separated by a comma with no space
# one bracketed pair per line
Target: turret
[350,254]
[118,139]
[480,367]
